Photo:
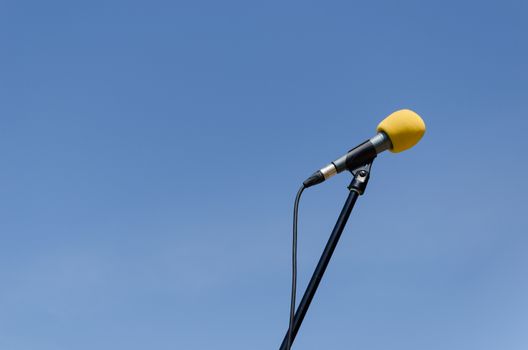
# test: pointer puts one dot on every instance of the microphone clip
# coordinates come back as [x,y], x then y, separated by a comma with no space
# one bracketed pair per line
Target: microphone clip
[361,177]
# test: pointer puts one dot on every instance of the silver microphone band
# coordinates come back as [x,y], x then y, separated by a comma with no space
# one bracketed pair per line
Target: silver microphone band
[328,171]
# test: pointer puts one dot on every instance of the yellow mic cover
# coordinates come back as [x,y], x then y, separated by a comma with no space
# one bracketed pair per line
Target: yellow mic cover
[404,128]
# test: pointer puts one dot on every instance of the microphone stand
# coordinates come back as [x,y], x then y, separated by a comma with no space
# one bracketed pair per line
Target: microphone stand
[356,188]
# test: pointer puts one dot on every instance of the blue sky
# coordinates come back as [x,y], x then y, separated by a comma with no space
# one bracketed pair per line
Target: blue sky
[150,153]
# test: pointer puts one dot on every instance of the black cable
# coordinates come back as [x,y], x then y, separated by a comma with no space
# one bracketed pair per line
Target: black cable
[294,264]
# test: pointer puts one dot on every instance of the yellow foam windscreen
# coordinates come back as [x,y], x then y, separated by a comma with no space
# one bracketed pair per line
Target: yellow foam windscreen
[404,128]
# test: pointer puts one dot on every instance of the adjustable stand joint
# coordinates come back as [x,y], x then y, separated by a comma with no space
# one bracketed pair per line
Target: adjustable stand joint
[361,177]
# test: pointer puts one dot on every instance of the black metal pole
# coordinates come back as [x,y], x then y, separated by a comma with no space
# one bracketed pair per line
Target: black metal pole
[321,266]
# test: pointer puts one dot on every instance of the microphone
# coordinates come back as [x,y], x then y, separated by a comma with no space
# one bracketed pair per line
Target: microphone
[401,130]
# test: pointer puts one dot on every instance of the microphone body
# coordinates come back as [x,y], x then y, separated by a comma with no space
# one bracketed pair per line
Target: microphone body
[357,156]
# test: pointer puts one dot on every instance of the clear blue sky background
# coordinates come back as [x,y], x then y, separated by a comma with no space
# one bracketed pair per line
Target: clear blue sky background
[150,153]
